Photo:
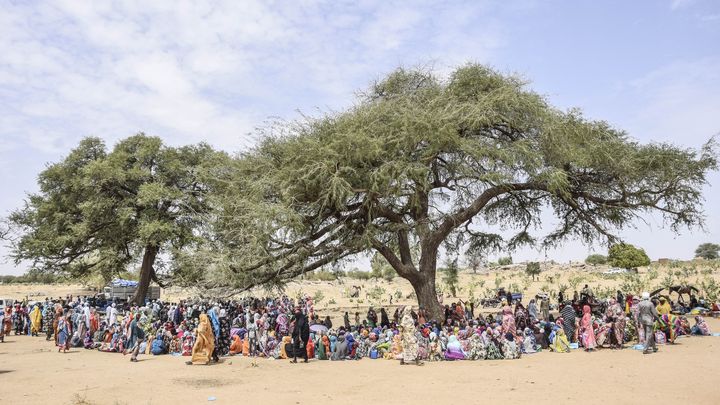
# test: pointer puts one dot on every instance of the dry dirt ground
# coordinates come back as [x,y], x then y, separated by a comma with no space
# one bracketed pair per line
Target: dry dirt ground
[31,372]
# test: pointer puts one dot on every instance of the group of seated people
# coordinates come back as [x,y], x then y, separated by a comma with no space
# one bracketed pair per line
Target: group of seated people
[263,327]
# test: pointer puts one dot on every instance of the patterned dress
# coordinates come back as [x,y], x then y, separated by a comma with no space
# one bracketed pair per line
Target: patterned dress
[434,350]
[223,340]
[618,323]
[408,338]
[492,351]
[423,346]
[510,350]
[476,348]
[48,317]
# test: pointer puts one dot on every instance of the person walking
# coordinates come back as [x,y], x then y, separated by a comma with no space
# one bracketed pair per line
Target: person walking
[137,336]
[647,315]
[300,335]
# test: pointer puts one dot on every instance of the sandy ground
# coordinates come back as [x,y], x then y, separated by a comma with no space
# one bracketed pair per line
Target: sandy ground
[31,372]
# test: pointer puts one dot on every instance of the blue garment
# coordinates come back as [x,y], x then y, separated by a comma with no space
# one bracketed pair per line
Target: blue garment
[136,333]
[158,346]
[215,322]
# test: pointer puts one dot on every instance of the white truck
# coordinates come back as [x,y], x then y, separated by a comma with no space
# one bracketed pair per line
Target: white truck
[124,290]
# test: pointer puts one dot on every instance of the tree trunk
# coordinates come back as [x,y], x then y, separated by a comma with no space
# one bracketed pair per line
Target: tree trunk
[427,296]
[146,270]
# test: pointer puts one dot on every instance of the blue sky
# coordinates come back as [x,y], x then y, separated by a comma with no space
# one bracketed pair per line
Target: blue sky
[214,71]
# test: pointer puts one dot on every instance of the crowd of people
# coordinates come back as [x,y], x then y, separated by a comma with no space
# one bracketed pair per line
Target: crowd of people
[284,328]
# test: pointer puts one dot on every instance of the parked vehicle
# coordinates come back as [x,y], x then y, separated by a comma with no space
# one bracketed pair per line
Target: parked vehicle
[501,294]
[120,290]
[489,302]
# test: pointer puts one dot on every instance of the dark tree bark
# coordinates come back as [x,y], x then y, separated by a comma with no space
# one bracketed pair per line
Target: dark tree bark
[422,278]
[146,273]
[427,298]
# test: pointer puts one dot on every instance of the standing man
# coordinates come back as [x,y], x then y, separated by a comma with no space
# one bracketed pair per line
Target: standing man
[647,315]
[545,308]
[300,334]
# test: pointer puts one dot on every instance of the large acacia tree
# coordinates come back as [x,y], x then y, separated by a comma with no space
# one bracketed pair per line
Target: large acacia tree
[103,212]
[420,162]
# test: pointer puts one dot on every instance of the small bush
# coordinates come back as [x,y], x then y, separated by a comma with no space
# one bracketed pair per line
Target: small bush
[596,259]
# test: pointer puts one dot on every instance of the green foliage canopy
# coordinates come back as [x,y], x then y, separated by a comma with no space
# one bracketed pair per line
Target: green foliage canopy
[505,261]
[708,251]
[627,256]
[420,161]
[100,211]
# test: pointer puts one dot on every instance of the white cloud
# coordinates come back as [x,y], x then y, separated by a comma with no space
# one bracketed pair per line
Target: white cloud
[192,71]
[678,4]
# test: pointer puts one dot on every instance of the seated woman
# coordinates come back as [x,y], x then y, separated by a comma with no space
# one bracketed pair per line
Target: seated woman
[560,344]
[88,342]
[236,345]
[669,327]
[529,345]
[106,341]
[684,328]
[492,344]
[701,327]
[476,349]
[187,343]
[320,348]
[310,347]
[454,349]
[341,349]
[158,345]
[395,352]
[541,337]
[175,346]
[434,351]
[510,348]
[285,344]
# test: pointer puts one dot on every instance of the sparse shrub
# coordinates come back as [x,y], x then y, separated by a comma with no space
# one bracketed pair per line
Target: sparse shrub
[376,293]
